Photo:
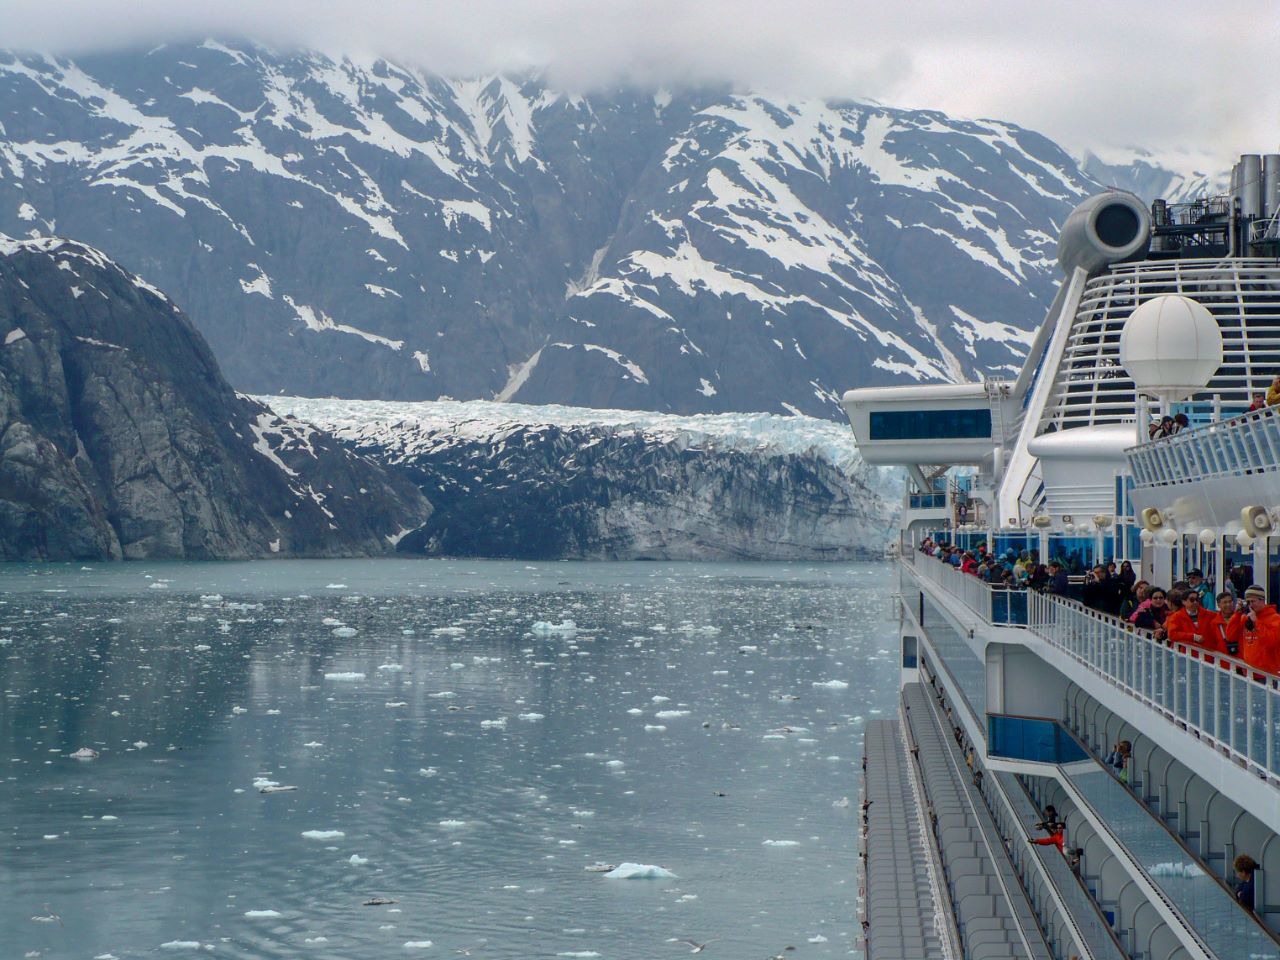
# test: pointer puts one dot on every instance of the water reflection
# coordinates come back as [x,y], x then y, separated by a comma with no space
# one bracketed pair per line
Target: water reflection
[444,757]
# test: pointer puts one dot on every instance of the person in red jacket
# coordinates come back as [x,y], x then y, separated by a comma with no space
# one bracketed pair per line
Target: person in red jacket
[1195,626]
[1261,648]
[1056,838]
[1232,624]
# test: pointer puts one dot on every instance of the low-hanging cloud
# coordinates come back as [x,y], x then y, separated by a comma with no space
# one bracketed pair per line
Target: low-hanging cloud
[1090,74]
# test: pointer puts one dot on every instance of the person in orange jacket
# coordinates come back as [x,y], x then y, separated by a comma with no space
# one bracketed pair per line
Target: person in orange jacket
[1056,837]
[1232,624]
[1194,626]
[1261,648]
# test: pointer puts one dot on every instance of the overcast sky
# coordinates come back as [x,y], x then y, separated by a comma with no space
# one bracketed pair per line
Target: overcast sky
[1175,74]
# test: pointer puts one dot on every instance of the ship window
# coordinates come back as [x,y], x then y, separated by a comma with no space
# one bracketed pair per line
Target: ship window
[930,424]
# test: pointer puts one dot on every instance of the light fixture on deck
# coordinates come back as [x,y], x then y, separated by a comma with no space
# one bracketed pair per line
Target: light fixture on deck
[1102,521]
[1244,541]
[1041,521]
[1208,538]
[1169,535]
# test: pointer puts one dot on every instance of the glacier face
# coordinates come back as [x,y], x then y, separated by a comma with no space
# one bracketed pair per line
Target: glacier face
[359,227]
[545,482]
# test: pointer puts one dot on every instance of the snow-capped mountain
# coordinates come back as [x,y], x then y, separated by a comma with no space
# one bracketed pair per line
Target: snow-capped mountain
[1176,179]
[547,482]
[357,227]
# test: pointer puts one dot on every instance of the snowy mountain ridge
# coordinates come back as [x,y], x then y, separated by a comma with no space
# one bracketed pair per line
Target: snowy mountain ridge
[354,225]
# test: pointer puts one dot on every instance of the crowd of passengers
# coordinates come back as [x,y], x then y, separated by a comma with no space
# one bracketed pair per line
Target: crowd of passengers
[1167,426]
[1238,622]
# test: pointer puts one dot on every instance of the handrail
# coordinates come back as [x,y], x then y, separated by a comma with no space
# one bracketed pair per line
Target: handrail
[1224,701]
[1244,444]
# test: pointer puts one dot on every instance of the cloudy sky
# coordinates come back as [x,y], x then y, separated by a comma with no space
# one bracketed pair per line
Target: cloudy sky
[1170,75]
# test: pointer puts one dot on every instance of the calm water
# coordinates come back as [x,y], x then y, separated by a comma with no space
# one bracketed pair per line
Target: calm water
[444,757]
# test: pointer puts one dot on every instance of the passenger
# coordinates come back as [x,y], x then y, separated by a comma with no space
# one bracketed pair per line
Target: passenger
[1180,423]
[1132,599]
[1259,401]
[1059,585]
[1192,625]
[1120,759]
[1232,624]
[1261,632]
[1152,612]
[1057,836]
[1273,392]
[1196,581]
[1039,579]
[1244,866]
[1102,593]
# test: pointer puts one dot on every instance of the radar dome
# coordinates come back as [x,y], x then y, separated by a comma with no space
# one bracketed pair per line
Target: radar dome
[1171,346]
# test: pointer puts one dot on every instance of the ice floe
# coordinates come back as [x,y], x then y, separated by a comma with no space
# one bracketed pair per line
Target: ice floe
[323,834]
[639,871]
[344,676]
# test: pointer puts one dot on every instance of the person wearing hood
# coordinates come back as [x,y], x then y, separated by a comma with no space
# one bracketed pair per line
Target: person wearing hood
[1195,626]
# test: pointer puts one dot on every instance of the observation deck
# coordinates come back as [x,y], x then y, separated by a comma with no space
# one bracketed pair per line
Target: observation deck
[1205,476]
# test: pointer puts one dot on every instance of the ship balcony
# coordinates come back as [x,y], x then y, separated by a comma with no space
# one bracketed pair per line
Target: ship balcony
[1219,715]
[1208,474]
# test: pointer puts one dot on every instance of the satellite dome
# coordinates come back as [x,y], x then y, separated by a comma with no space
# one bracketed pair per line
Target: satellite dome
[1171,346]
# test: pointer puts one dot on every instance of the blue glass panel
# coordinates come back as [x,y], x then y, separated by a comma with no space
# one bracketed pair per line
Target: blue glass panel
[965,667]
[1074,553]
[1009,606]
[931,424]
[1031,738]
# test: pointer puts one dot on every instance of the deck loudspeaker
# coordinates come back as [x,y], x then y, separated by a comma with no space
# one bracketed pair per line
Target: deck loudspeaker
[1152,520]
[1256,521]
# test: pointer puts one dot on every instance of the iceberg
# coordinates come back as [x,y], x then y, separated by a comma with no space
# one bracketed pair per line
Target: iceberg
[639,871]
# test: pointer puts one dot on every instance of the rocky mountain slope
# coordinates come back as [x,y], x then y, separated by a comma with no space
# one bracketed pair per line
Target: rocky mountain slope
[120,438]
[510,480]
[357,227]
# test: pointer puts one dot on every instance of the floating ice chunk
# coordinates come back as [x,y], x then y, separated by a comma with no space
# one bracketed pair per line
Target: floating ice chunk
[452,824]
[261,914]
[841,804]
[344,676]
[238,710]
[182,945]
[585,813]
[140,744]
[428,771]
[442,695]
[417,944]
[654,727]
[323,834]
[490,724]
[331,622]
[457,666]
[202,647]
[671,714]
[532,716]
[817,938]
[335,586]
[782,843]
[578,953]
[748,648]
[108,817]
[635,711]
[277,788]
[600,868]
[639,871]
[449,631]
[344,631]
[614,764]
[84,753]
[158,586]
[831,684]
[544,628]
[313,743]
[660,699]
[391,667]
[397,703]
[357,861]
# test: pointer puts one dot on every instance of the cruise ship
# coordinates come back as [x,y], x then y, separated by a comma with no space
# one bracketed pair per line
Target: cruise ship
[1012,700]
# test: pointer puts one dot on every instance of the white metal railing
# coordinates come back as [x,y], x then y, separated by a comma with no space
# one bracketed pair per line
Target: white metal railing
[1227,703]
[1221,699]
[1243,445]
[993,604]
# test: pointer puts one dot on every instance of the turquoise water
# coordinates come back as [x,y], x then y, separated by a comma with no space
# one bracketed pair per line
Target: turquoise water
[445,757]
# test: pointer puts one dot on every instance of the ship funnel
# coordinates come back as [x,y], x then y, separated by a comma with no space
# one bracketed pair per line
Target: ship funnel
[1105,229]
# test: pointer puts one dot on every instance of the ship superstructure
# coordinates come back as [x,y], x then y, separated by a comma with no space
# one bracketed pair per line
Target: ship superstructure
[1023,709]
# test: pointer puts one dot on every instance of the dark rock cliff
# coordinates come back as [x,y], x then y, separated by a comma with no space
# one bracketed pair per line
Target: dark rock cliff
[120,438]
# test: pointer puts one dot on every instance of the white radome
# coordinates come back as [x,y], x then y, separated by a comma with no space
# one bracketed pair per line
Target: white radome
[1171,346]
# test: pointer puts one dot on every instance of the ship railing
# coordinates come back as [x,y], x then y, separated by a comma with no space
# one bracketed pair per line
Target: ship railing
[1238,447]
[1220,699]
[994,604]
